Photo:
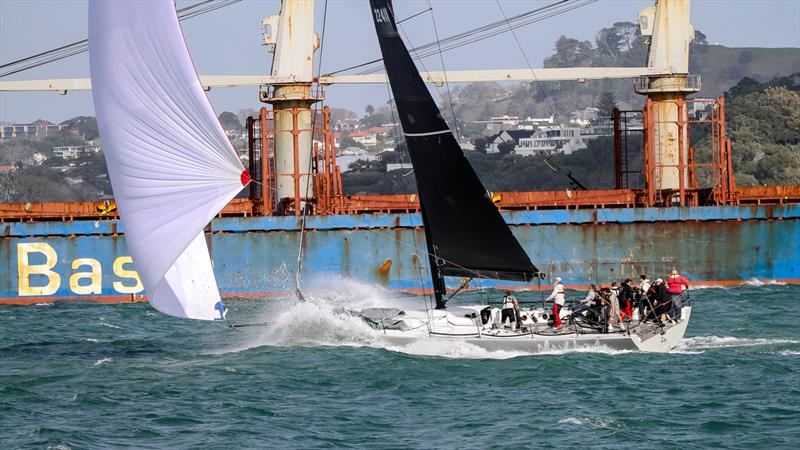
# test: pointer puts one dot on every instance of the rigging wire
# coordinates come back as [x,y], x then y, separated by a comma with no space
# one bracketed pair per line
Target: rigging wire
[482,32]
[78,47]
[553,111]
[492,34]
[444,70]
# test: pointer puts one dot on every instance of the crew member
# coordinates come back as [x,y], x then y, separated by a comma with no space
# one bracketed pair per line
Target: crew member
[510,311]
[587,301]
[613,300]
[677,284]
[663,301]
[626,301]
[558,301]
[602,304]
[643,300]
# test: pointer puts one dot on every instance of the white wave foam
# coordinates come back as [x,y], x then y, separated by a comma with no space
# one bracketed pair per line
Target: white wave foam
[314,322]
[96,340]
[685,351]
[44,304]
[108,325]
[757,282]
[599,422]
[707,342]
[789,353]
[103,361]
[451,349]
[461,349]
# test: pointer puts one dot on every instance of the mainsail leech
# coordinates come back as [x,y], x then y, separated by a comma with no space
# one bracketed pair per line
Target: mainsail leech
[171,165]
[466,235]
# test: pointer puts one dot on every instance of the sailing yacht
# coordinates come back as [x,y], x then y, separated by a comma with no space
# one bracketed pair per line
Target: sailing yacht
[466,236]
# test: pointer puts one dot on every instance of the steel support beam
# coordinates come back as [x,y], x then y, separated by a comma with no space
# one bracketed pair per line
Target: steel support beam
[455,76]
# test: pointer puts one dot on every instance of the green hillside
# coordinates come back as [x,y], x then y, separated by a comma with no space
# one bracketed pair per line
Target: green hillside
[722,67]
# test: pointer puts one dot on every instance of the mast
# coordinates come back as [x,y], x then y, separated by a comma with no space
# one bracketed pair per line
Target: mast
[439,287]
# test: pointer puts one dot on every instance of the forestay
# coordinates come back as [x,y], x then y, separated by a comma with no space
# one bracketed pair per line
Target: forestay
[171,166]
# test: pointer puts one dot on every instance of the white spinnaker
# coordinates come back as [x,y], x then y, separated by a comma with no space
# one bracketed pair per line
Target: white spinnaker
[171,165]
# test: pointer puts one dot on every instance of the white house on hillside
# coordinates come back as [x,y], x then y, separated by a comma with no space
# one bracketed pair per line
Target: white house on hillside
[364,138]
[506,136]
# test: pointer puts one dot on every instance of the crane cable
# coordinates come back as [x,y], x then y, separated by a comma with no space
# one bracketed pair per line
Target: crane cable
[78,47]
[480,33]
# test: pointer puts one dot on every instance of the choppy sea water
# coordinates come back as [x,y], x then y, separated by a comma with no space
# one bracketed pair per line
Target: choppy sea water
[85,375]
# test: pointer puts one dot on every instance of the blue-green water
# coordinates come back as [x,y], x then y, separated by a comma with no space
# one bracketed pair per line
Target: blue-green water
[84,375]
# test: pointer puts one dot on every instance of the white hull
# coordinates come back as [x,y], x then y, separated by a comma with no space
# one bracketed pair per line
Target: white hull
[452,325]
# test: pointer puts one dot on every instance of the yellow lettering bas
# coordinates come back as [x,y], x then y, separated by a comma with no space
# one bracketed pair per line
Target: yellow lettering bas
[95,277]
[120,271]
[25,269]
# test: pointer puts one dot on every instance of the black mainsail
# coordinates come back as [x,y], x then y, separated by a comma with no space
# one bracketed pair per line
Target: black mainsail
[465,234]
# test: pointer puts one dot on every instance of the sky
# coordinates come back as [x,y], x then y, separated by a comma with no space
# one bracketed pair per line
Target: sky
[228,41]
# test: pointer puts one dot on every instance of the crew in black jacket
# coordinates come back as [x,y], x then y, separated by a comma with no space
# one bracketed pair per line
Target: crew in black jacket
[626,301]
[664,301]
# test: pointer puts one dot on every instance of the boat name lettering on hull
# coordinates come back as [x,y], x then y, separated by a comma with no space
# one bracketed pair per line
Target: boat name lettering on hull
[40,278]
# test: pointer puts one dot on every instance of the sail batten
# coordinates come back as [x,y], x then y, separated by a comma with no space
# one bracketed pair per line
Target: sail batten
[171,165]
[465,232]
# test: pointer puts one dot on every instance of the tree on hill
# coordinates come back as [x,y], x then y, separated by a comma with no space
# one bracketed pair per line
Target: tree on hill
[699,38]
[570,53]
[338,114]
[247,112]
[85,126]
[506,147]
[480,144]
[377,116]
[230,121]
[606,104]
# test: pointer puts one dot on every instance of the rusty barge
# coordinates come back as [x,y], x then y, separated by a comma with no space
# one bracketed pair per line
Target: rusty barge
[689,214]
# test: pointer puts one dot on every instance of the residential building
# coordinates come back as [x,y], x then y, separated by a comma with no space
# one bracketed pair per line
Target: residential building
[506,136]
[584,117]
[379,131]
[75,151]
[514,122]
[367,139]
[32,131]
[350,155]
[398,166]
[68,151]
[564,139]
[350,124]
